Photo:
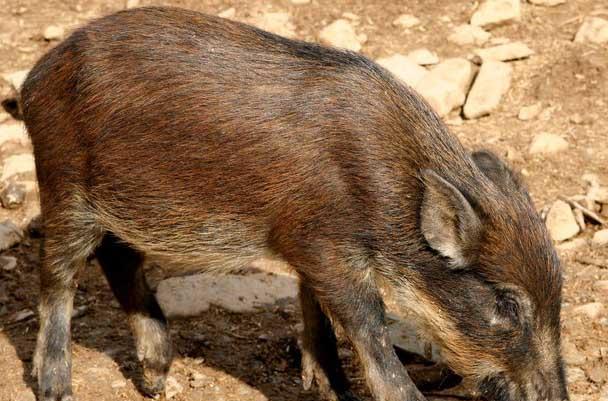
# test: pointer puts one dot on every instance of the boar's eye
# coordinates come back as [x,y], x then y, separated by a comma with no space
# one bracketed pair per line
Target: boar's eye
[507,307]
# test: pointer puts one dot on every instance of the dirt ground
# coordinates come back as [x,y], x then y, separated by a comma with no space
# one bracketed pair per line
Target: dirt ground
[250,357]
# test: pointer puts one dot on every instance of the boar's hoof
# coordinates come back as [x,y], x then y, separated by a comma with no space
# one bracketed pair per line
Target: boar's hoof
[153,384]
[65,397]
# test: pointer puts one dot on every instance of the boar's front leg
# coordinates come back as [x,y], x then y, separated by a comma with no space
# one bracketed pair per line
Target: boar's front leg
[353,299]
[320,359]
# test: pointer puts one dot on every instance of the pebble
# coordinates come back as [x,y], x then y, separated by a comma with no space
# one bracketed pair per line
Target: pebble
[228,13]
[16,79]
[25,395]
[8,263]
[592,310]
[593,30]
[198,380]
[12,196]
[341,34]
[278,23]
[492,13]
[423,57]
[132,3]
[598,373]
[299,2]
[118,384]
[172,388]
[506,52]
[18,164]
[492,82]
[528,113]
[403,68]
[9,235]
[600,238]
[13,133]
[547,143]
[571,354]
[575,374]
[406,21]
[467,34]
[572,245]
[601,286]
[22,315]
[547,3]
[53,32]
[561,222]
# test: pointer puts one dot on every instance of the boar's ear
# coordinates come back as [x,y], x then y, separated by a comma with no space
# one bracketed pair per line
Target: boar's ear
[497,171]
[447,220]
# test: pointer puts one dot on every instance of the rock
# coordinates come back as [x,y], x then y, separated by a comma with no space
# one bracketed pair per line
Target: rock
[25,395]
[13,133]
[601,286]
[572,245]
[22,315]
[598,194]
[561,222]
[600,238]
[132,3]
[278,23]
[406,21]
[593,30]
[527,113]
[8,263]
[575,375]
[592,310]
[547,3]
[53,32]
[10,235]
[118,384]
[16,79]
[350,16]
[491,84]
[467,34]
[341,34]
[192,295]
[172,388]
[423,57]
[492,13]
[403,68]
[571,354]
[198,380]
[228,13]
[506,52]
[12,196]
[299,2]
[598,373]
[446,85]
[547,143]
[18,164]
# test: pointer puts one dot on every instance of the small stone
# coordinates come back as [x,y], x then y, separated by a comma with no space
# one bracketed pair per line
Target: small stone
[467,34]
[600,238]
[118,384]
[406,21]
[341,34]
[9,235]
[18,164]
[492,82]
[25,395]
[351,16]
[506,52]
[423,57]
[13,196]
[575,374]
[571,354]
[592,310]
[601,286]
[13,133]
[527,113]
[53,32]
[572,245]
[547,3]
[593,30]
[492,13]
[8,263]
[403,68]
[172,387]
[547,143]
[16,79]
[561,222]
[198,380]
[132,3]
[228,13]
[299,2]
[278,23]
[598,373]
[22,315]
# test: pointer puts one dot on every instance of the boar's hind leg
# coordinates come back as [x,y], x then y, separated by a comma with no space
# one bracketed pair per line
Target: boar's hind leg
[122,266]
[320,352]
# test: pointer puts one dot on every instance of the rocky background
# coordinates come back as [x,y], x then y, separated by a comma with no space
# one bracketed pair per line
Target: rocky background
[527,79]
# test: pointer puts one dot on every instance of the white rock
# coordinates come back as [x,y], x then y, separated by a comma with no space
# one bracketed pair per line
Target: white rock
[594,30]
[406,21]
[10,235]
[446,85]
[600,238]
[492,13]
[18,164]
[132,3]
[341,34]
[423,57]
[592,310]
[278,23]
[491,84]
[8,263]
[13,133]
[561,222]
[16,79]
[547,143]
[601,286]
[547,3]
[467,34]
[506,52]
[172,387]
[350,16]
[53,32]
[598,194]
[403,68]
[299,2]
[192,295]
[572,245]
[571,353]
[228,13]
[527,113]
[575,374]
